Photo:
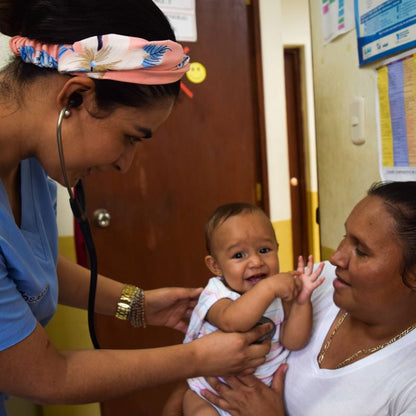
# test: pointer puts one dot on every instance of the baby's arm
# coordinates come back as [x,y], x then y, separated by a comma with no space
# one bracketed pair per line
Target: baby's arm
[193,405]
[296,329]
[242,314]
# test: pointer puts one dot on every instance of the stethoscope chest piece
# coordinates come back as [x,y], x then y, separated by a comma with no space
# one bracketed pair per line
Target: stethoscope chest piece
[270,334]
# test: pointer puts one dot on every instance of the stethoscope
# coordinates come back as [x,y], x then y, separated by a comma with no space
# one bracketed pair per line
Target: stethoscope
[78,209]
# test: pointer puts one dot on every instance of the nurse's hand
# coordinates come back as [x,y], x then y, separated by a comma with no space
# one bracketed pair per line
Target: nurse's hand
[170,306]
[229,353]
[248,396]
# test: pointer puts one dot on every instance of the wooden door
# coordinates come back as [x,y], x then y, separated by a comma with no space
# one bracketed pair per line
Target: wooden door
[209,152]
[296,153]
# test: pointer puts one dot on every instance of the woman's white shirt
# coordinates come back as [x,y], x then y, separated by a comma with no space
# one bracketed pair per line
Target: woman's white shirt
[384,383]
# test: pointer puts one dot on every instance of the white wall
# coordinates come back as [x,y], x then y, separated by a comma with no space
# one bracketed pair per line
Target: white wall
[296,33]
[4,50]
[275,108]
[285,24]
[345,170]
[64,217]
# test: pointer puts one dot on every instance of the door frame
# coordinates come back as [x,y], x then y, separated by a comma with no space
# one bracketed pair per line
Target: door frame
[263,192]
[296,152]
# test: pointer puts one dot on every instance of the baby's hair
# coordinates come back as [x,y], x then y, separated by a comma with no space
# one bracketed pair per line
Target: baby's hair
[222,213]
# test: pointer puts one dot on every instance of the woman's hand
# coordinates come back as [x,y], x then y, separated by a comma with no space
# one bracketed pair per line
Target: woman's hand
[248,396]
[170,306]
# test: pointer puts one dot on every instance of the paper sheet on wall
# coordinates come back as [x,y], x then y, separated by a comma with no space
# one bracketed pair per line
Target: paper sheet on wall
[396,87]
[181,16]
[337,18]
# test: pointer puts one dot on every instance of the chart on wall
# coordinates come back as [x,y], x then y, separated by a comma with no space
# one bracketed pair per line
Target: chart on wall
[384,28]
[181,16]
[337,18]
[396,88]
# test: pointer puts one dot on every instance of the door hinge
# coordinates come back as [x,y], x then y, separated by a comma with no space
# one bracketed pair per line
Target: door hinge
[248,2]
[259,192]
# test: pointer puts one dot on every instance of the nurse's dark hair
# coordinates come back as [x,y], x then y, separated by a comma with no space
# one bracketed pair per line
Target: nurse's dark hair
[222,213]
[400,201]
[67,21]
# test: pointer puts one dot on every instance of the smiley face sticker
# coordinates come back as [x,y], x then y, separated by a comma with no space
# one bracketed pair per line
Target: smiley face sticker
[196,73]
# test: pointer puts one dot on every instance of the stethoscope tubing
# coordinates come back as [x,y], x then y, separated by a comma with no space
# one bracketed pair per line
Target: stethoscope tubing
[77,204]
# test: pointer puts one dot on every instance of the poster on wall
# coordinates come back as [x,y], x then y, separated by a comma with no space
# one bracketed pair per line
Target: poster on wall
[337,18]
[181,16]
[384,28]
[396,88]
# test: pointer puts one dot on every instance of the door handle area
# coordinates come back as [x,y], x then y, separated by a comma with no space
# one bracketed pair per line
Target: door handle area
[102,218]
[294,181]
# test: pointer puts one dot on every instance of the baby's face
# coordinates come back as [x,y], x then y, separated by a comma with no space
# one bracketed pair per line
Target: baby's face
[245,250]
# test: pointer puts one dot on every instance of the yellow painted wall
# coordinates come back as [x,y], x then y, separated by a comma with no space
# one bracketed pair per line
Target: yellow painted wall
[327,252]
[19,407]
[313,227]
[283,230]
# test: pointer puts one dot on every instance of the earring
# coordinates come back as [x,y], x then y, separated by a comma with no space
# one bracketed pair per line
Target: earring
[67,113]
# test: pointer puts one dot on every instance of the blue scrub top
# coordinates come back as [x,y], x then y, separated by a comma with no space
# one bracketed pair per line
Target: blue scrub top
[28,257]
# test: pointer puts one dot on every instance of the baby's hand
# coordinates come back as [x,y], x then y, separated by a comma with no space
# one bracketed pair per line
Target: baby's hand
[308,278]
[285,286]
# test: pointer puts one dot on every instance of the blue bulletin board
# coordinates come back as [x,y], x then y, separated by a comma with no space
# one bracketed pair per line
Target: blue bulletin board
[384,28]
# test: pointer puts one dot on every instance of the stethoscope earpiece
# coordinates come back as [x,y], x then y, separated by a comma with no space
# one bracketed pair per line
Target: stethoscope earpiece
[75,100]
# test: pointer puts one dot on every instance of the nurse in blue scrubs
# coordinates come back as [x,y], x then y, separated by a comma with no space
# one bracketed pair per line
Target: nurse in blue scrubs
[110,72]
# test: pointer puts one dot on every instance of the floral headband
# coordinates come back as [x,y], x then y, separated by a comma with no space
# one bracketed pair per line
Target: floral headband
[114,57]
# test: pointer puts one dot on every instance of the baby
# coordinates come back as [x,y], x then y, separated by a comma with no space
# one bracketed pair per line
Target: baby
[242,254]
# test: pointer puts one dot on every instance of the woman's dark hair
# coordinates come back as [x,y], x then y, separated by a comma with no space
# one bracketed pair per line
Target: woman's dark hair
[222,213]
[67,21]
[400,201]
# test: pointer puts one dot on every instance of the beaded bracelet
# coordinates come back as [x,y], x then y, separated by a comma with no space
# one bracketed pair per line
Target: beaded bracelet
[136,315]
[131,306]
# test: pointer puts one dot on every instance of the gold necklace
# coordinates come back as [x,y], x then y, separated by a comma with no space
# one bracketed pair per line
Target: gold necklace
[364,350]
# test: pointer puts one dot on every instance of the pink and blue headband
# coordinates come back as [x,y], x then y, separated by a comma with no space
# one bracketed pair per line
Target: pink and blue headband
[114,57]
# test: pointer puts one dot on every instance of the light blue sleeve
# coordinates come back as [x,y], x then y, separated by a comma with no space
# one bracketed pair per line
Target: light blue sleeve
[28,255]
[16,319]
